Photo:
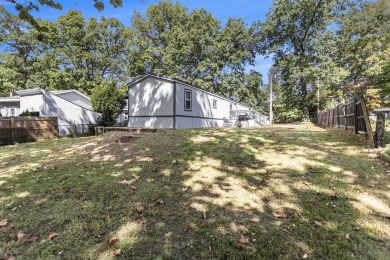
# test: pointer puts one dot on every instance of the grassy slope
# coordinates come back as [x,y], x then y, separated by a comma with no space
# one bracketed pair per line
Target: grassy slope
[219,188]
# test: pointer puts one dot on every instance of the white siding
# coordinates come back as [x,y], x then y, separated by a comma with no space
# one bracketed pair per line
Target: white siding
[237,106]
[68,114]
[32,103]
[77,99]
[151,122]
[202,103]
[6,107]
[153,98]
[187,122]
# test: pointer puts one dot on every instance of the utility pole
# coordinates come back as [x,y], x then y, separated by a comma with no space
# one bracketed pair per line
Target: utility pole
[271,115]
[318,95]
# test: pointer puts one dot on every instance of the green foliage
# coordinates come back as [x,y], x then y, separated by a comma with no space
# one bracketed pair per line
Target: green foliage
[108,100]
[24,10]
[288,116]
[363,40]
[384,79]
[193,46]
[25,113]
[298,35]
[73,53]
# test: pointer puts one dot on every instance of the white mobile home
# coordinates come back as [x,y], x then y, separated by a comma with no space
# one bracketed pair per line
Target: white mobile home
[10,106]
[160,102]
[72,108]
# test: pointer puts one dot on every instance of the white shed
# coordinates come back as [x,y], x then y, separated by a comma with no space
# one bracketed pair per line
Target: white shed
[161,102]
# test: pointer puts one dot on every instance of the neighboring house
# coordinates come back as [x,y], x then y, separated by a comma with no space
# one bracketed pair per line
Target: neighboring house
[124,115]
[161,102]
[10,106]
[72,108]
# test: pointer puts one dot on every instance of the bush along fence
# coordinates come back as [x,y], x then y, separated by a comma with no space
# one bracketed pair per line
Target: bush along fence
[352,115]
[27,129]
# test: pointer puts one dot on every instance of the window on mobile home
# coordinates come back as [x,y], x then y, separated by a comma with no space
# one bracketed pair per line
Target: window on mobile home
[214,103]
[188,100]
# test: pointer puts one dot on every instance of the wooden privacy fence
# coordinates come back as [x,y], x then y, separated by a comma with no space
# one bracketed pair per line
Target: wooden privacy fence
[27,128]
[352,115]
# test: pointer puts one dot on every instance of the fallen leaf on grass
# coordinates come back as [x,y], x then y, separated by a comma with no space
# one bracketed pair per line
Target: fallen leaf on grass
[28,239]
[267,199]
[8,228]
[4,223]
[106,218]
[279,215]
[52,235]
[159,201]
[117,252]
[112,240]
[20,235]
[138,207]
[243,240]
[317,223]
[132,191]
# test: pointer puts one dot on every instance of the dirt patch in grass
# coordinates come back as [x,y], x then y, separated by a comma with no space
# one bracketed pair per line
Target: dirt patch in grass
[287,191]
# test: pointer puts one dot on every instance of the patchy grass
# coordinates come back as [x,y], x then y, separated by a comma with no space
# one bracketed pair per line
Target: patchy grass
[288,191]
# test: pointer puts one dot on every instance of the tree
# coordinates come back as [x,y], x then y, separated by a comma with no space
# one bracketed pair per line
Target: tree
[193,47]
[384,79]
[364,39]
[88,52]
[20,51]
[108,100]
[28,6]
[291,33]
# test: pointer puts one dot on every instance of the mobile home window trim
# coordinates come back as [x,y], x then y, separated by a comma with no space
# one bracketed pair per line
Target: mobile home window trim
[189,108]
[214,103]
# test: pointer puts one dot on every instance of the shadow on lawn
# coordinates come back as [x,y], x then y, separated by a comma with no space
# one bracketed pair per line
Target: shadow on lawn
[204,194]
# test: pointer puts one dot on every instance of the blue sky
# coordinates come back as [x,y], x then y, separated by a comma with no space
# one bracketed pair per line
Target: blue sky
[250,10]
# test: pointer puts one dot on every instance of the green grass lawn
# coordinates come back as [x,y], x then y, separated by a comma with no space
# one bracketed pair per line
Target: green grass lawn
[288,191]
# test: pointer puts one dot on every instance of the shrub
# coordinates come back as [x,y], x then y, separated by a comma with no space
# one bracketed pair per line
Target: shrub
[109,101]
[25,113]
[288,116]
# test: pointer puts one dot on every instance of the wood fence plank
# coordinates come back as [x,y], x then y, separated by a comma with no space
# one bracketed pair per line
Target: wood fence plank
[354,117]
[367,121]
